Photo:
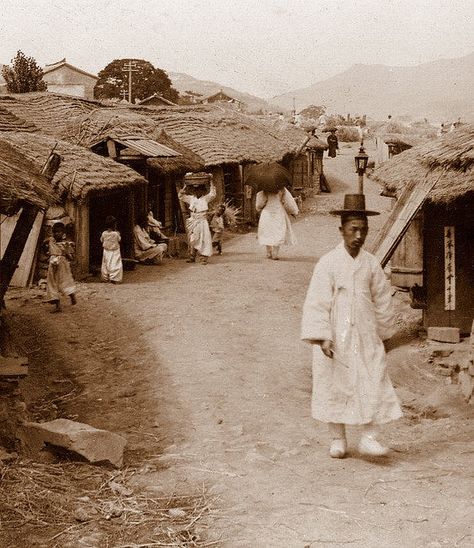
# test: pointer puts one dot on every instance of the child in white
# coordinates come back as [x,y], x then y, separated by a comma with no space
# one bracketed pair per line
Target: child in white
[112,269]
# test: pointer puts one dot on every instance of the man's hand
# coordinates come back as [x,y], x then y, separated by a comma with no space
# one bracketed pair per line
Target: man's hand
[328,348]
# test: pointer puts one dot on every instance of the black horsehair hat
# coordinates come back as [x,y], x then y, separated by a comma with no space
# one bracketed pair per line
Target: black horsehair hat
[354,204]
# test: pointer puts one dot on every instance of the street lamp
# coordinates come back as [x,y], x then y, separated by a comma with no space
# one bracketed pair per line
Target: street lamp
[361,161]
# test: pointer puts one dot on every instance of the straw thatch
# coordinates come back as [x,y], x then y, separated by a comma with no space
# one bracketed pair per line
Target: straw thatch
[179,165]
[448,160]
[222,136]
[294,137]
[50,112]
[81,172]
[403,139]
[11,122]
[21,181]
[117,123]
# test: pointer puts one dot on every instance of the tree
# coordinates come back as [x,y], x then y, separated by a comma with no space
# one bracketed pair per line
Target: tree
[24,75]
[146,80]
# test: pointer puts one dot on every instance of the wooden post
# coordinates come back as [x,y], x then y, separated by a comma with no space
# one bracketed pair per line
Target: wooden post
[22,229]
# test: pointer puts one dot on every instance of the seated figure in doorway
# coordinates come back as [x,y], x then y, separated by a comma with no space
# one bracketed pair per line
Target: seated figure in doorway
[155,228]
[146,249]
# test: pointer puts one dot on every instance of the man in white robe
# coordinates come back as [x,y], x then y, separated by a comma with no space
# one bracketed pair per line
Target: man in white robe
[346,317]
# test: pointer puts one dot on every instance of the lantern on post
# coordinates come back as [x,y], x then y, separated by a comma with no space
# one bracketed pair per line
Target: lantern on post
[361,161]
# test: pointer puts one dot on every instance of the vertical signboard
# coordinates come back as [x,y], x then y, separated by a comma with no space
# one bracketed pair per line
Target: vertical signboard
[449,268]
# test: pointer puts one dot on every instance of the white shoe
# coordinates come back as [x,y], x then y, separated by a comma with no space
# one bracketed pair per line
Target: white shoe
[338,448]
[368,445]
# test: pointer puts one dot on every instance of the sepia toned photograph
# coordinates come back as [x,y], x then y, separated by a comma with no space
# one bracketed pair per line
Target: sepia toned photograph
[236,274]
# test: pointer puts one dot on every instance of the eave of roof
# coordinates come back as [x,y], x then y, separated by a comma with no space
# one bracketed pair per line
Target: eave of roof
[52,68]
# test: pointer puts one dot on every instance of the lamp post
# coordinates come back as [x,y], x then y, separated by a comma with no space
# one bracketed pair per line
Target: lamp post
[361,160]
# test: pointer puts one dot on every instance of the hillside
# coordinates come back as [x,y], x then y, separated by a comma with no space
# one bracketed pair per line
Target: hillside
[184,82]
[440,90]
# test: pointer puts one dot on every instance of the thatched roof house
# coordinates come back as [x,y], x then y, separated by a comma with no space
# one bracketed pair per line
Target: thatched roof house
[94,129]
[21,181]
[436,180]
[448,160]
[89,187]
[81,172]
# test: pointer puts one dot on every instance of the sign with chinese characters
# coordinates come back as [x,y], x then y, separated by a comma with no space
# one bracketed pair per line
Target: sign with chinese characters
[449,268]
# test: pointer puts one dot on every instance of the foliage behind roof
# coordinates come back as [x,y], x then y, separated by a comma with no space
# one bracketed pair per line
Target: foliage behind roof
[448,160]
[21,180]
[81,172]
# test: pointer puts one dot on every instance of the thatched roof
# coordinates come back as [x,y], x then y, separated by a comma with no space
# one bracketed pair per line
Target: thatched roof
[187,161]
[294,137]
[448,160]
[81,172]
[119,123]
[222,136]
[49,112]
[403,139]
[11,122]
[21,181]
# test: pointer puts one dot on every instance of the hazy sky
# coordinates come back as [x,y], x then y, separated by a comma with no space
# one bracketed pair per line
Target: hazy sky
[265,47]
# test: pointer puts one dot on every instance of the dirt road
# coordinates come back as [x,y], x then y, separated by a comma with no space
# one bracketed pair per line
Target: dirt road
[201,367]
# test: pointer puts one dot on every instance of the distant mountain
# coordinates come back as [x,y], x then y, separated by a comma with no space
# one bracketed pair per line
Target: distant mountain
[184,82]
[440,90]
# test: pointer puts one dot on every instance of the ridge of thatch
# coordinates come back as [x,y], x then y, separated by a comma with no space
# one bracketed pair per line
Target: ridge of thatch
[448,161]
[21,181]
[100,125]
[403,139]
[49,112]
[92,127]
[81,171]
[11,122]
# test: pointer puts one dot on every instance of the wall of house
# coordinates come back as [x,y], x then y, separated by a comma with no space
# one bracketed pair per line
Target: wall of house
[69,81]
[407,259]
[436,218]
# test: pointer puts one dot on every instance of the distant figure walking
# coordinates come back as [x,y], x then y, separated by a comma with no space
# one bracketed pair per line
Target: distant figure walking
[197,225]
[59,280]
[217,228]
[146,249]
[333,143]
[112,268]
[274,226]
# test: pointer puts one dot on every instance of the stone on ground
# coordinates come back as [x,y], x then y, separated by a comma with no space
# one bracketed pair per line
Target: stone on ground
[93,444]
[443,334]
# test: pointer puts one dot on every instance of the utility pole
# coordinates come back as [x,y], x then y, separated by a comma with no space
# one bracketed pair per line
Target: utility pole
[130,67]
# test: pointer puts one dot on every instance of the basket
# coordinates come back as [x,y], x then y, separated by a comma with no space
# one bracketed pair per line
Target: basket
[197,179]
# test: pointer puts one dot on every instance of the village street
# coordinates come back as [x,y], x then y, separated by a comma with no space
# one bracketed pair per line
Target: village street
[202,369]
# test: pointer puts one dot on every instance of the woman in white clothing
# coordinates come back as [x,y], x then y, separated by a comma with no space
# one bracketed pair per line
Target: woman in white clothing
[274,226]
[197,225]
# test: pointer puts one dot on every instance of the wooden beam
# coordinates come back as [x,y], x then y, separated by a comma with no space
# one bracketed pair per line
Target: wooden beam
[22,229]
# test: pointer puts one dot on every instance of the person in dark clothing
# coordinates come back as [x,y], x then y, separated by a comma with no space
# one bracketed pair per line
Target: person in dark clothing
[333,143]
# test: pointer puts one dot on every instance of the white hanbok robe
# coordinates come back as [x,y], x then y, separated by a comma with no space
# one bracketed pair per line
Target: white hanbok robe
[274,225]
[197,225]
[112,268]
[349,302]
